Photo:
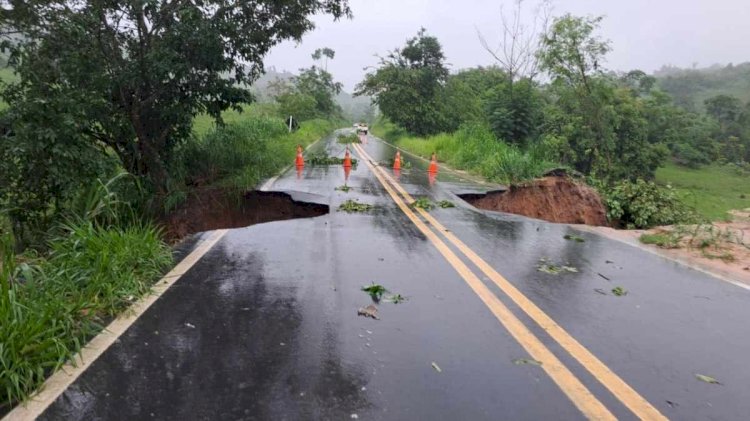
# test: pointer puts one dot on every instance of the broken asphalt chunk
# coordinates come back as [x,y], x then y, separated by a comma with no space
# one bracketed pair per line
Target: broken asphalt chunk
[369,311]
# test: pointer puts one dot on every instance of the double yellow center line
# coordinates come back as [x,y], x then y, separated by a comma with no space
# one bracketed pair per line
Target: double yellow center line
[581,397]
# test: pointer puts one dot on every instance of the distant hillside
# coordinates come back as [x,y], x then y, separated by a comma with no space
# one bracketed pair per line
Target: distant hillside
[261,86]
[690,87]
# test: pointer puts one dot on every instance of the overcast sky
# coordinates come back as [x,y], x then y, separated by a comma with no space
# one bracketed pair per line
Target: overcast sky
[645,34]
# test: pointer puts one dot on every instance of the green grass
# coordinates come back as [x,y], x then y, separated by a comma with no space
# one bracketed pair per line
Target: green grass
[251,146]
[50,306]
[204,123]
[473,148]
[711,190]
[662,239]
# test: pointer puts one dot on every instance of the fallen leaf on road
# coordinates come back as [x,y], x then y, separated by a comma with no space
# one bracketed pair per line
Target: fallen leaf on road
[707,379]
[436,367]
[375,291]
[574,238]
[603,276]
[672,404]
[554,269]
[369,311]
[446,204]
[395,298]
[619,291]
[523,361]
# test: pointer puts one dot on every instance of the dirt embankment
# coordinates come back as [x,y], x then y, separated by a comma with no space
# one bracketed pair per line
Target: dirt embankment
[211,209]
[555,199]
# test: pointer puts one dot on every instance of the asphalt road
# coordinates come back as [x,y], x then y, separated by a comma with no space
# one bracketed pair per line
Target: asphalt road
[265,325]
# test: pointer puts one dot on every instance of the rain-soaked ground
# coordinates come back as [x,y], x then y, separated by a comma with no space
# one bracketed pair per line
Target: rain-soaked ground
[265,325]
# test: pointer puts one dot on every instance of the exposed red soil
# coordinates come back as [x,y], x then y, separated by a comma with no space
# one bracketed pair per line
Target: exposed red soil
[212,209]
[554,199]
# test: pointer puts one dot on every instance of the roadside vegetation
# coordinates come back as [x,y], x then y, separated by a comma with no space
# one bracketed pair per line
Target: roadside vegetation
[105,130]
[239,154]
[616,129]
[712,190]
[100,259]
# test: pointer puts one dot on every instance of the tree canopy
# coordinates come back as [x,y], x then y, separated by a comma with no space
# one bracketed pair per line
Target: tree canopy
[407,84]
[133,73]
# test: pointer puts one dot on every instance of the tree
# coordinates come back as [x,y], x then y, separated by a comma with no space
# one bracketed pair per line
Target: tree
[137,71]
[298,105]
[571,52]
[514,117]
[324,52]
[725,109]
[602,128]
[638,82]
[408,84]
[319,84]
[517,51]
[511,109]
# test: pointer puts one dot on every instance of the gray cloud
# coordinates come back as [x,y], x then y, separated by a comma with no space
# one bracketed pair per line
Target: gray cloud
[645,34]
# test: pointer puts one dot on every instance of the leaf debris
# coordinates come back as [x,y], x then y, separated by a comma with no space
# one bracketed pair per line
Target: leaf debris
[707,379]
[526,361]
[575,238]
[619,291]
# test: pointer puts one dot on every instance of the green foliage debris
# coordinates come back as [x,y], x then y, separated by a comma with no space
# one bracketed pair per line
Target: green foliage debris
[351,206]
[322,160]
[706,379]
[575,238]
[422,203]
[554,269]
[446,204]
[348,138]
[375,291]
[619,291]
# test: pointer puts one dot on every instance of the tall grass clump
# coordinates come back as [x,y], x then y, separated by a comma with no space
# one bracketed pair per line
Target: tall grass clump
[51,304]
[476,149]
[239,154]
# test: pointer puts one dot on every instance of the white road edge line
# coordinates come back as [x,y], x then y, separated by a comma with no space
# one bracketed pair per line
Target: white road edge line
[677,260]
[56,384]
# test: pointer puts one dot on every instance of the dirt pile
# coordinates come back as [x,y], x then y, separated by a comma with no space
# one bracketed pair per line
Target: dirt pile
[554,199]
[219,208]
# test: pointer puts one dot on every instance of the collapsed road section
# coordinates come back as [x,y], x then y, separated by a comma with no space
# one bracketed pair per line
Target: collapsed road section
[220,209]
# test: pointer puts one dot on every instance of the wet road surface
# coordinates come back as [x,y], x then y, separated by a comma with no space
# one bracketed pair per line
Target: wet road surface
[265,325]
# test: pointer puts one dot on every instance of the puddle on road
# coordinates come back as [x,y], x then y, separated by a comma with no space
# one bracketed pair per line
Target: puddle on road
[220,209]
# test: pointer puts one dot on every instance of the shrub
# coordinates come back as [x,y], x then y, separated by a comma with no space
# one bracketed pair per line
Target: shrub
[688,156]
[643,204]
[49,308]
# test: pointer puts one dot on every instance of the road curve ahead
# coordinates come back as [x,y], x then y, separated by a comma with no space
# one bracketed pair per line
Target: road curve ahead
[265,324]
